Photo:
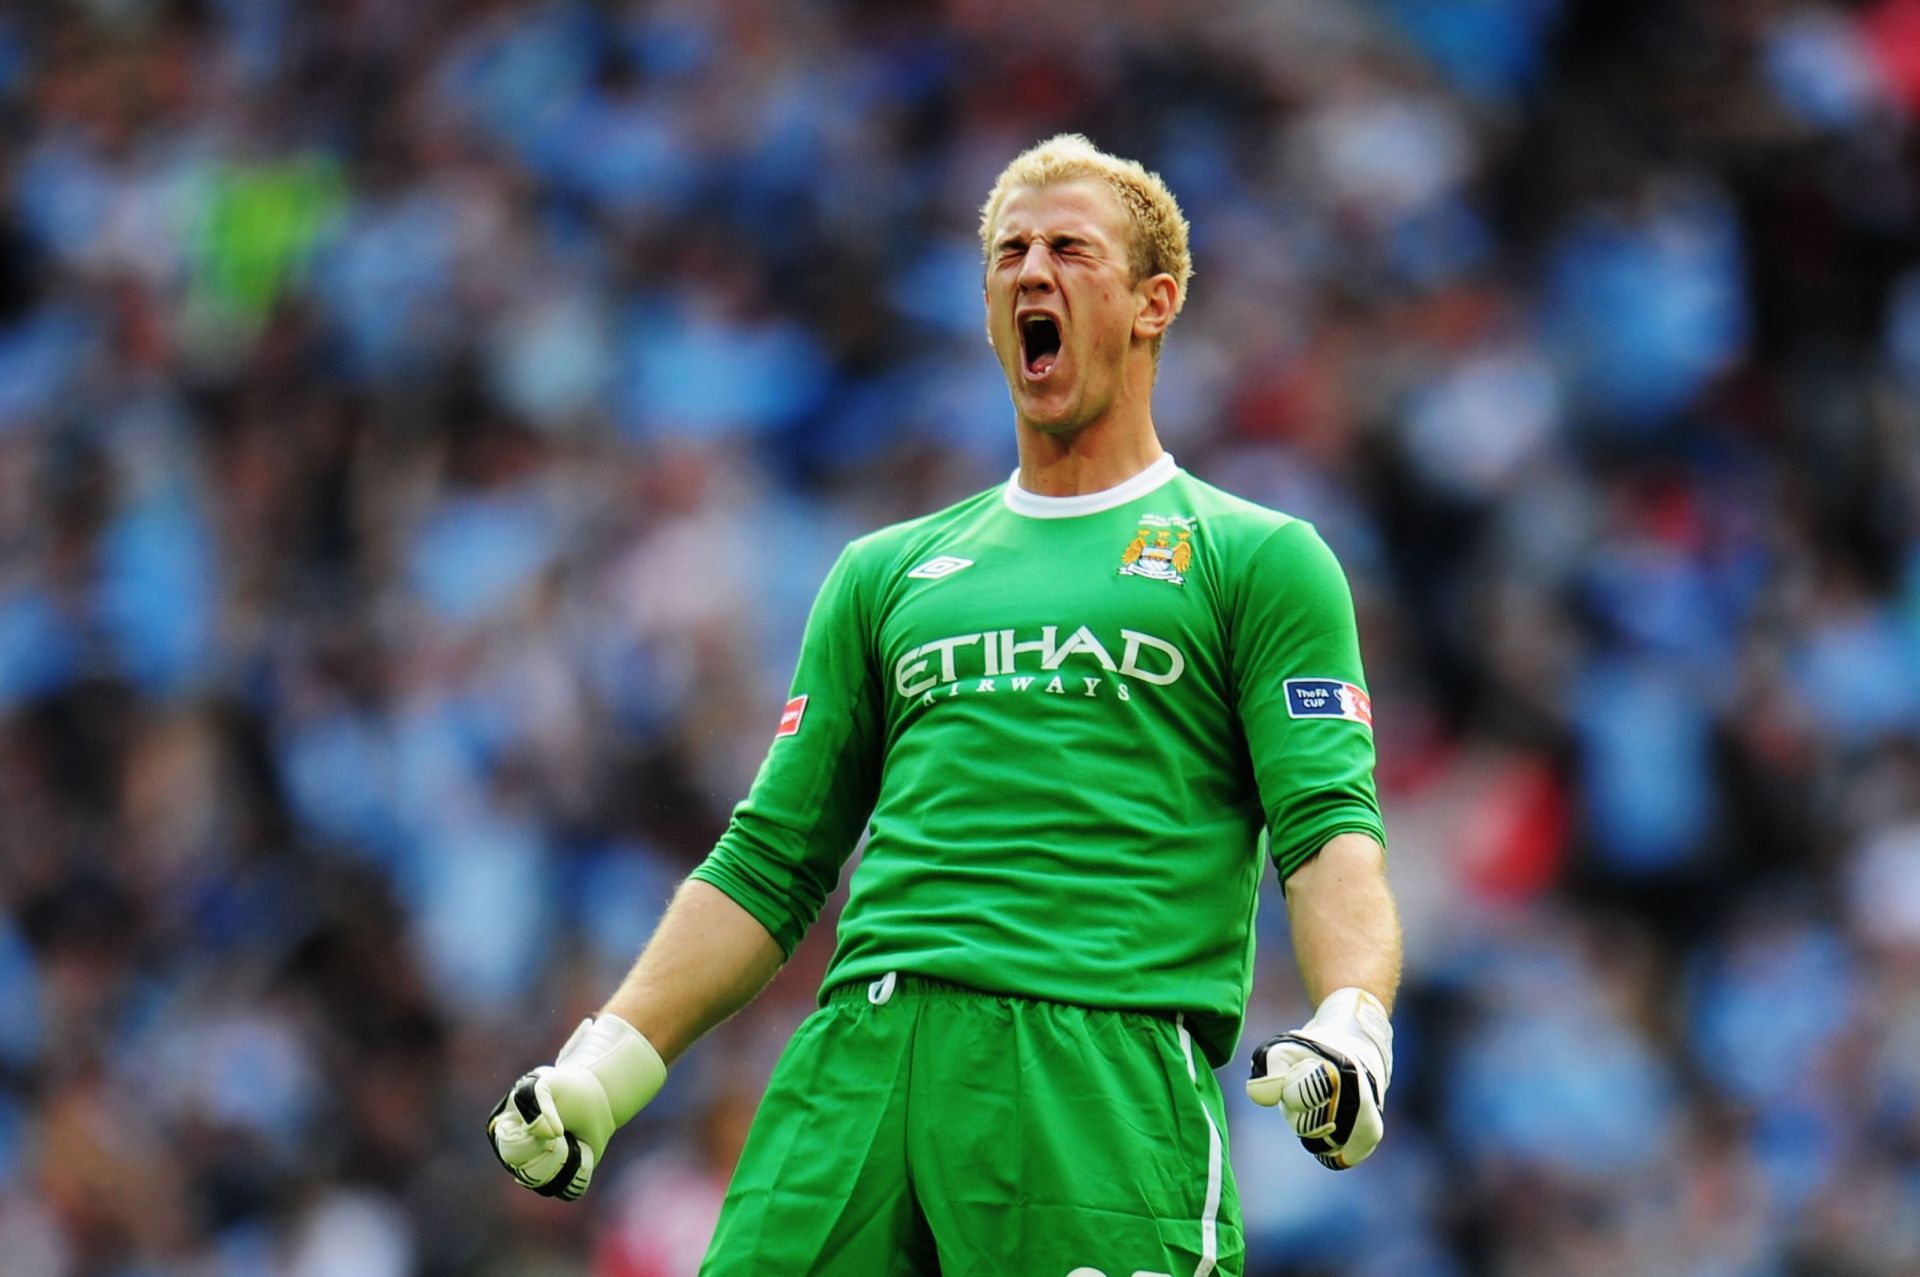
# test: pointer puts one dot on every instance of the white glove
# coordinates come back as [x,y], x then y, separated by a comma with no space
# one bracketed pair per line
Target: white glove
[551,1129]
[1331,1077]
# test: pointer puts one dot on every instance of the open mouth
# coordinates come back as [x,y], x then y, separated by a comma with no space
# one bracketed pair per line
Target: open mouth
[1039,344]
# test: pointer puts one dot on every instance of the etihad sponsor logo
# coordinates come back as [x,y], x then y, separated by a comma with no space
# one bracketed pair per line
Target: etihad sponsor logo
[993,659]
[934,569]
[1161,550]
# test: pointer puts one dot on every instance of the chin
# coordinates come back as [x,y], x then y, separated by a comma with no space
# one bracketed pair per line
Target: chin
[1052,412]
[1049,419]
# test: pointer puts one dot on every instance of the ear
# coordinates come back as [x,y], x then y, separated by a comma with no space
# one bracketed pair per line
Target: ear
[1154,300]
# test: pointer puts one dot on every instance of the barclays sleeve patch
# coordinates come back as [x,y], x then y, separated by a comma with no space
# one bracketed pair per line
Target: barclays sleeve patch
[1328,698]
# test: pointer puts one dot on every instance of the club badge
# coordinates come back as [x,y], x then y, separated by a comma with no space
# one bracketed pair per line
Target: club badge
[1162,550]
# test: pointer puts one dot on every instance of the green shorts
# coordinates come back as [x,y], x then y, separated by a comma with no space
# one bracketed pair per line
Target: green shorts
[914,1128]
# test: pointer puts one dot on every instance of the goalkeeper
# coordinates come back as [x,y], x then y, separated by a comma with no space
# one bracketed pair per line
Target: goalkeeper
[1071,715]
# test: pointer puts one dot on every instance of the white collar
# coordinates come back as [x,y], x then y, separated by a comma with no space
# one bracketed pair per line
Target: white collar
[1035,506]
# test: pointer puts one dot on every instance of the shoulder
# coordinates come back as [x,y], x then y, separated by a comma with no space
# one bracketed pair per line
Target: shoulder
[1262,556]
[1246,529]
[884,548]
[1228,515]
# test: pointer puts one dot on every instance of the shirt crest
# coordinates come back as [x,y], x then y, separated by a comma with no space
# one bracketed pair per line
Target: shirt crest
[1162,549]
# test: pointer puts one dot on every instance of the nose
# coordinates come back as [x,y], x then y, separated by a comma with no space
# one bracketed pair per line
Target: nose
[1036,268]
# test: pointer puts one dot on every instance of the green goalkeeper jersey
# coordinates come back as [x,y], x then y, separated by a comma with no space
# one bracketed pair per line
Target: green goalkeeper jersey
[1063,725]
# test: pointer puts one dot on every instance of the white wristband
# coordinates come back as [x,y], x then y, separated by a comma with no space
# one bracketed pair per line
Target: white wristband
[1356,1022]
[619,1055]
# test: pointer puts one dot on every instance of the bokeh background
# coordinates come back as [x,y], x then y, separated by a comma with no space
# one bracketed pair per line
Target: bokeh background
[423,427]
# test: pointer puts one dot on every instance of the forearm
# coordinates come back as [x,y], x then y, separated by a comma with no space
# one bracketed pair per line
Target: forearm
[706,960]
[1346,931]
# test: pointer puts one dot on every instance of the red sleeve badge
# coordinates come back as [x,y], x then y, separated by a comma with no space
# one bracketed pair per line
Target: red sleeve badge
[790,717]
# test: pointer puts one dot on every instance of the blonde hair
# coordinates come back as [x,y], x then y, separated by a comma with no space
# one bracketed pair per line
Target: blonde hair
[1159,240]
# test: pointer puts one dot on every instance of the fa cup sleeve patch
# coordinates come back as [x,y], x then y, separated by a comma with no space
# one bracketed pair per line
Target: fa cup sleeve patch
[1328,698]
[790,717]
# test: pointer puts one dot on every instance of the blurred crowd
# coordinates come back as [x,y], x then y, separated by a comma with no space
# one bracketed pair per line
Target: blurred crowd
[423,427]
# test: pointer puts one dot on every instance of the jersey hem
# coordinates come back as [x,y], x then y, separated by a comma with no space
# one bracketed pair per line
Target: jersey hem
[855,988]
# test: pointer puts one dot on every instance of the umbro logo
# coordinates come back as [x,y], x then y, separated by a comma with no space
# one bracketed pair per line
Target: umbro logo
[934,569]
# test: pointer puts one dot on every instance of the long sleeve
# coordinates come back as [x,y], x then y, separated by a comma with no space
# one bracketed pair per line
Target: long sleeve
[783,850]
[1302,696]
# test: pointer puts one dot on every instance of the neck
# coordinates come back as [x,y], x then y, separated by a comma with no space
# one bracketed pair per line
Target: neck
[1097,456]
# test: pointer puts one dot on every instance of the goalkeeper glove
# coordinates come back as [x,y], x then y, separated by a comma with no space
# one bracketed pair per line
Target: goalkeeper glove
[1331,1077]
[552,1128]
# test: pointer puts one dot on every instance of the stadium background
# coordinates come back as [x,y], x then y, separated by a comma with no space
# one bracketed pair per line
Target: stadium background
[422,427]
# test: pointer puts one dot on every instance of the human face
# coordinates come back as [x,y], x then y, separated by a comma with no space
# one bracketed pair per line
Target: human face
[1062,303]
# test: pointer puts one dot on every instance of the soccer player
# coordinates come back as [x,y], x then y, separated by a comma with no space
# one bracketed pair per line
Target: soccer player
[1071,715]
